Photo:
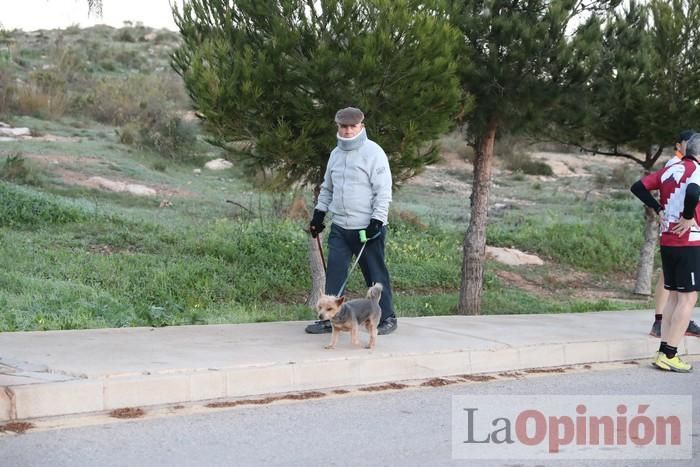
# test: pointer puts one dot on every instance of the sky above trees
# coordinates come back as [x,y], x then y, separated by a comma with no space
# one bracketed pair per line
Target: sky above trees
[31,15]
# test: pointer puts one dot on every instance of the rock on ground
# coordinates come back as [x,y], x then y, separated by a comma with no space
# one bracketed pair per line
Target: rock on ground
[218,164]
[511,256]
[120,187]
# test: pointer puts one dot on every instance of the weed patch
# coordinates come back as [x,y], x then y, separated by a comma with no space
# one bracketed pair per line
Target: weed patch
[602,238]
[16,427]
[128,412]
[15,169]
[22,208]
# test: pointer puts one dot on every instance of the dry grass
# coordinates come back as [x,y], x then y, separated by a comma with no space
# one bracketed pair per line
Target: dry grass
[127,412]
[32,100]
[383,387]
[16,427]
[267,400]
[437,382]
[477,378]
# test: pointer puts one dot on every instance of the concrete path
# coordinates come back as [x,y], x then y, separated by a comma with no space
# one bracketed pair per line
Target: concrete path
[52,373]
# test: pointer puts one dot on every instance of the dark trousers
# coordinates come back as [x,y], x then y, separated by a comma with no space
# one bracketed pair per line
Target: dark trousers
[342,246]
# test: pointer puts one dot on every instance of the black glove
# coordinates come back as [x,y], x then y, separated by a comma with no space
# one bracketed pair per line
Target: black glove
[374,229]
[316,225]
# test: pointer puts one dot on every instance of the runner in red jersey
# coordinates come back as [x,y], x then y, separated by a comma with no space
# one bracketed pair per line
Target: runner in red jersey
[679,190]
[661,294]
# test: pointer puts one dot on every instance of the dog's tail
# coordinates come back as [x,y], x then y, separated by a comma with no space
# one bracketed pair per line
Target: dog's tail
[375,292]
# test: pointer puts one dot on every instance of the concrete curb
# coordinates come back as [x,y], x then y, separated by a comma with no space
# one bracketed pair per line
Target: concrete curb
[174,369]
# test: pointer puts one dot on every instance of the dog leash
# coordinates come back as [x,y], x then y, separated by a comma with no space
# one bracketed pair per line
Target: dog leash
[320,250]
[363,239]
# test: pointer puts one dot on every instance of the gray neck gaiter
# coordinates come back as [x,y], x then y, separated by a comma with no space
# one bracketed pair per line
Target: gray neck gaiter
[348,144]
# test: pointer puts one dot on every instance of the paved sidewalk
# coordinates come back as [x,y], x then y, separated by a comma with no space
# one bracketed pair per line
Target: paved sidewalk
[69,372]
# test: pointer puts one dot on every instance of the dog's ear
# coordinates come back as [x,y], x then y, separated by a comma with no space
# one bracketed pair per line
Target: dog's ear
[340,301]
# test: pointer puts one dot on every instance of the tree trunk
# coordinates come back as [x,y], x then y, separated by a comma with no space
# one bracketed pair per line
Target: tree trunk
[475,239]
[318,273]
[316,262]
[645,268]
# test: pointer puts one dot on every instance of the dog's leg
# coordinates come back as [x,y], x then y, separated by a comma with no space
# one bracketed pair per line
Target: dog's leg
[354,333]
[334,339]
[372,329]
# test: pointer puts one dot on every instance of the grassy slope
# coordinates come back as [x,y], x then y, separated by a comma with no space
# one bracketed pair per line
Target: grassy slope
[76,257]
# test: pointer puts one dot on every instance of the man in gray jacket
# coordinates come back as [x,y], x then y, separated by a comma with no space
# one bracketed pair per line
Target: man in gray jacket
[356,189]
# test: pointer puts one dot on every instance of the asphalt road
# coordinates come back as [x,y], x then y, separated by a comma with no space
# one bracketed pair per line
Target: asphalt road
[410,427]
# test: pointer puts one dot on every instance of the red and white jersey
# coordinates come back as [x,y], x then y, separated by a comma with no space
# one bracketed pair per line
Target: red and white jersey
[677,157]
[672,181]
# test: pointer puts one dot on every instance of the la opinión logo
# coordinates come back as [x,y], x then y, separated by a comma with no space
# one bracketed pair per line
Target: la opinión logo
[547,426]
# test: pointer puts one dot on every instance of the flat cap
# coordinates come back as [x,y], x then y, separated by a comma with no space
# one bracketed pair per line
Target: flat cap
[349,116]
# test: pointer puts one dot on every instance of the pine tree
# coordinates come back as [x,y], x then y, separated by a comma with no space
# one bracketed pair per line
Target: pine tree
[518,58]
[267,76]
[643,90]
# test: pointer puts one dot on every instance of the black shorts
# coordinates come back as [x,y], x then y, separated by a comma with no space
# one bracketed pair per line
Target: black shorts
[681,266]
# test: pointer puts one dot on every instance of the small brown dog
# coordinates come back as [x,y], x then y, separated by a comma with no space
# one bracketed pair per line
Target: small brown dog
[348,316]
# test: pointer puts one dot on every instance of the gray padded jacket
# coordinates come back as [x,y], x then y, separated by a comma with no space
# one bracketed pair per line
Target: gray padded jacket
[357,184]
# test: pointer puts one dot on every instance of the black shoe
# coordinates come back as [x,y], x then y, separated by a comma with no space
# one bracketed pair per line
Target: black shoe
[656,329]
[387,326]
[319,327]
[693,329]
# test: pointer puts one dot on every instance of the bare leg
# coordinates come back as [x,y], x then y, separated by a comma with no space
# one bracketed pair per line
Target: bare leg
[669,308]
[681,317]
[660,295]
[671,304]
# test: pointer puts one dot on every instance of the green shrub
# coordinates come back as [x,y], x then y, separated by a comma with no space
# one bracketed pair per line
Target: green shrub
[16,170]
[163,132]
[108,65]
[160,166]
[512,153]
[600,180]
[528,166]
[25,209]
[70,63]
[32,100]
[49,80]
[124,35]
[456,143]
[72,30]
[8,92]
[623,176]
[5,56]
[164,36]
[48,92]
[506,148]
[128,134]
[130,59]
[170,136]
[5,35]
[116,101]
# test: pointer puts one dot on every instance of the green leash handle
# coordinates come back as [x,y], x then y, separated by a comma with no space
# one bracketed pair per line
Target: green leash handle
[363,236]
